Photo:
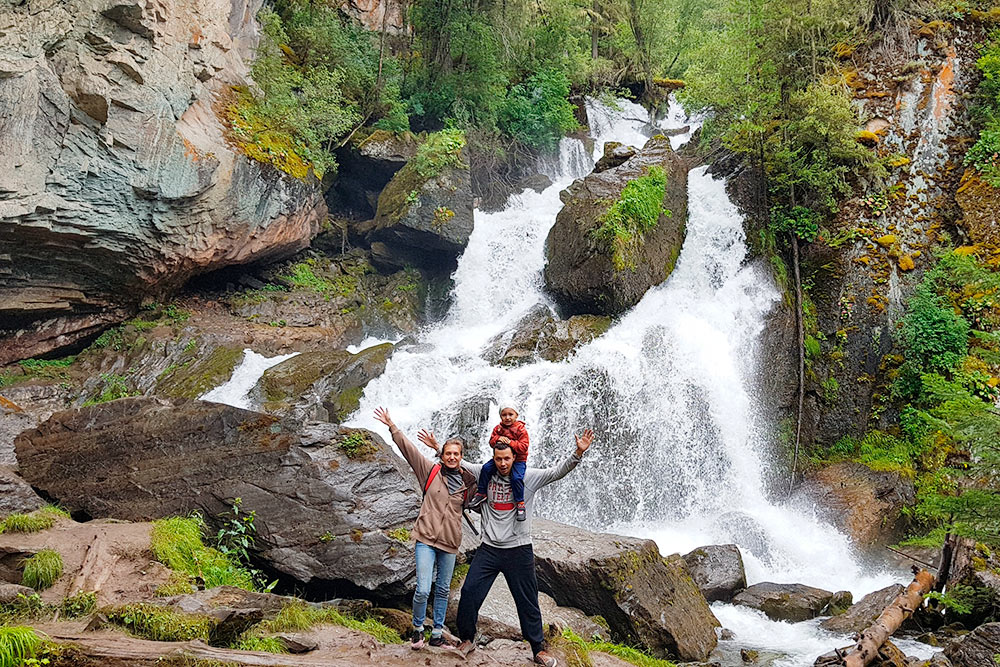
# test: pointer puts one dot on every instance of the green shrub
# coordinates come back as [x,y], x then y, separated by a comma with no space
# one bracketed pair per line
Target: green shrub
[933,334]
[537,112]
[80,604]
[42,569]
[637,211]
[40,519]
[17,644]
[160,623]
[115,387]
[985,156]
[801,221]
[24,607]
[440,150]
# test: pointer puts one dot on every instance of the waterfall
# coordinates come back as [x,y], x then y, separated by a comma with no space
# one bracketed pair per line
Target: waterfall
[680,455]
[236,391]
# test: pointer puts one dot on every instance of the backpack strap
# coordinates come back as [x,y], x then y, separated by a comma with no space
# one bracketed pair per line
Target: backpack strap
[430,478]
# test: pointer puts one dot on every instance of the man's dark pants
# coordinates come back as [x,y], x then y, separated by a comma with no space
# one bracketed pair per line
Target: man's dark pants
[518,567]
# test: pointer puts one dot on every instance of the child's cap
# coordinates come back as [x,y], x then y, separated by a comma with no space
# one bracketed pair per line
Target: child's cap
[508,407]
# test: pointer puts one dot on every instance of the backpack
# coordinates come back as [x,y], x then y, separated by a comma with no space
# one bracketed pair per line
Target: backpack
[434,473]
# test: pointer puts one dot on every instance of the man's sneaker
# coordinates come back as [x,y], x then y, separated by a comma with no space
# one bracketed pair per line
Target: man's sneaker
[417,639]
[466,647]
[437,640]
[522,514]
[543,658]
[477,500]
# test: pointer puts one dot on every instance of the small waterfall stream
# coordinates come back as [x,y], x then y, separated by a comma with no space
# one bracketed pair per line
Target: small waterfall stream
[680,455]
[236,391]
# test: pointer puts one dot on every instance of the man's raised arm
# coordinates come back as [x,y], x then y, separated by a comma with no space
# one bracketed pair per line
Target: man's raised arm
[537,478]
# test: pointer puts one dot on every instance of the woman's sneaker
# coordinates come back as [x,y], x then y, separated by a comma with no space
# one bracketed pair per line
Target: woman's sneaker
[437,640]
[477,500]
[543,658]
[417,639]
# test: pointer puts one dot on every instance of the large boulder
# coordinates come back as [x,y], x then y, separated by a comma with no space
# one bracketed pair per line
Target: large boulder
[425,213]
[326,497]
[861,614]
[976,649]
[864,503]
[539,334]
[367,164]
[785,602]
[118,184]
[586,274]
[16,495]
[323,385]
[718,571]
[646,599]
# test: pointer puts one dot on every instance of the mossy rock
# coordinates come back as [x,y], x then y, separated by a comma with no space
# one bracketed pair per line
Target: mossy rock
[202,375]
[289,380]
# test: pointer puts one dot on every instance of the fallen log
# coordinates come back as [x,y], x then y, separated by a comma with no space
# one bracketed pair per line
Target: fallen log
[871,638]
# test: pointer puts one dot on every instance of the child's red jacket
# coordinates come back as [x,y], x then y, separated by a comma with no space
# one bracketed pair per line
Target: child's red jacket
[518,435]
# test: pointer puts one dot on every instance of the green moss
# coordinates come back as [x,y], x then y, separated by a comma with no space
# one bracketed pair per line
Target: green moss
[40,519]
[461,569]
[357,446]
[42,569]
[179,584]
[158,623]
[440,150]
[637,211]
[400,534]
[202,375]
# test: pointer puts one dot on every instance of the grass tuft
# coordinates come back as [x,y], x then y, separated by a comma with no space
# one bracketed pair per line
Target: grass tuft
[300,616]
[632,655]
[250,642]
[159,623]
[177,543]
[80,604]
[17,645]
[41,519]
[42,569]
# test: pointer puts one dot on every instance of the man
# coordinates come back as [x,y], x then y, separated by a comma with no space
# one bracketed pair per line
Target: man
[506,547]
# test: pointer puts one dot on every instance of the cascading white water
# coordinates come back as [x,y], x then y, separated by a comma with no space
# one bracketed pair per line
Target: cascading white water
[680,455]
[236,391]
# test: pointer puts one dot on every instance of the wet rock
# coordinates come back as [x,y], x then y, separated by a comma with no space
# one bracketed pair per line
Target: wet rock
[325,496]
[367,164]
[540,335]
[16,495]
[717,569]
[615,154]
[889,655]
[123,187]
[860,615]
[749,655]
[426,217]
[839,603]
[397,619]
[864,503]
[588,275]
[202,374]
[785,602]
[646,599]
[939,660]
[10,592]
[320,385]
[294,642]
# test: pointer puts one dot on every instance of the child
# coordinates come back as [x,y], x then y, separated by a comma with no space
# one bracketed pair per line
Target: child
[511,432]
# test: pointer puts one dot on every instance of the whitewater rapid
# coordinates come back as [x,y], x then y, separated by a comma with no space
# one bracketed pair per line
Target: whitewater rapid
[681,454]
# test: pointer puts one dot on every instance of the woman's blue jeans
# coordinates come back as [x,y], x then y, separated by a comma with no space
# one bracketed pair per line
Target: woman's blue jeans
[429,559]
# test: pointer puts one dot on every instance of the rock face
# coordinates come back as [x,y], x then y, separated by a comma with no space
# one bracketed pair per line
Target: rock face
[864,503]
[646,599]
[979,202]
[861,614]
[785,602]
[539,334]
[16,496]
[977,648]
[367,164]
[117,183]
[325,496]
[580,270]
[717,570]
[424,219]
[321,385]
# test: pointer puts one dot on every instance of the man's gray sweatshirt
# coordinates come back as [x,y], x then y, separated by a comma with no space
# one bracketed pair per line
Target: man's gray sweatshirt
[500,528]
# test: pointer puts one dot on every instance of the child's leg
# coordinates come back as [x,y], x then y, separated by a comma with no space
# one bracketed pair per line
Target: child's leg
[484,476]
[517,480]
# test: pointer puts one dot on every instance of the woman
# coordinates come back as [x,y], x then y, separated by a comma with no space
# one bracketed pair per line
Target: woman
[438,529]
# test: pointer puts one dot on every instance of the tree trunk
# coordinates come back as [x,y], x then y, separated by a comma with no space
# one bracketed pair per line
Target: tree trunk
[876,634]
[593,30]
